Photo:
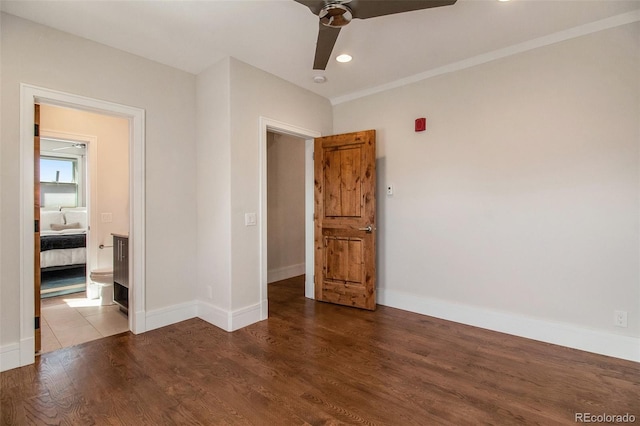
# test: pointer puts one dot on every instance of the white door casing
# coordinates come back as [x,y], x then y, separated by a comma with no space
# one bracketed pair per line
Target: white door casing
[29,96]
[266,125]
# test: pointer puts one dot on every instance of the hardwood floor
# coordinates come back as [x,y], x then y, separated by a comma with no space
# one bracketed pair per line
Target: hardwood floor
[319,364]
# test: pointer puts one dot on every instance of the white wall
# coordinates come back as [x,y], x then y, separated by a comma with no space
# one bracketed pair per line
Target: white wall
[519,204]
[232,96]
[112,139]
[285,205]
[214,189]
[229,153]
[44,57]
[255,93]
[518,208]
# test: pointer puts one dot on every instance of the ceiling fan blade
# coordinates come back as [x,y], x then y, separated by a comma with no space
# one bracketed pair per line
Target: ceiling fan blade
[327,37]
[364,9]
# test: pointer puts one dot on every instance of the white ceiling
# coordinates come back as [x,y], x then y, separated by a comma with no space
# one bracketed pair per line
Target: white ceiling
[279,36]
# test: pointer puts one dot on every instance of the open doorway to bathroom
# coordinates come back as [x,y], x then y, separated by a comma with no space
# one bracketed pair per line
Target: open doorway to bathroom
[84,199]
[63,216]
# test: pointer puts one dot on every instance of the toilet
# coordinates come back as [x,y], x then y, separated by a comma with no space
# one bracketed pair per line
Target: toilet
[102,285]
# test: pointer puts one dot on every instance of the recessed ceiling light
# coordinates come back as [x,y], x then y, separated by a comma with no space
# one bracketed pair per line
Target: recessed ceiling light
[344,58]
[319,78]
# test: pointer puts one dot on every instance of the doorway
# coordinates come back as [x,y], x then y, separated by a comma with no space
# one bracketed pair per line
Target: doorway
[29,97]
[84,187]
[268,125]
[63,215]
[285,206]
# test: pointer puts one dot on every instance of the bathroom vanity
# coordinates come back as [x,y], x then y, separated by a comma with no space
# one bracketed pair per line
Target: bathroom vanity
[121,271]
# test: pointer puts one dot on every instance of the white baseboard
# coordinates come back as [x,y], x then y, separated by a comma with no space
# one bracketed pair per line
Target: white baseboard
[226,320]
[214,315]
[283,273]
[170,315]
[624,347]
[17,354]
[246,316]
[138,322]
[9,357]
[230,320]
[27,351]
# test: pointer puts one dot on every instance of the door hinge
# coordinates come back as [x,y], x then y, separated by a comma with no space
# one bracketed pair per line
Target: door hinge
[36,225]
[37,323]
[313,155]
[36,130]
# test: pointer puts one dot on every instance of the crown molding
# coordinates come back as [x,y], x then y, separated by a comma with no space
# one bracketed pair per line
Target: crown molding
[579,31]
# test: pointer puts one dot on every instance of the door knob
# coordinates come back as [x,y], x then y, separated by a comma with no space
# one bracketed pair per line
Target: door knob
[369,229]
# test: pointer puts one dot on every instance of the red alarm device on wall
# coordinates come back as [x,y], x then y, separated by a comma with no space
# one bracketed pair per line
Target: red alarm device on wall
[421,124]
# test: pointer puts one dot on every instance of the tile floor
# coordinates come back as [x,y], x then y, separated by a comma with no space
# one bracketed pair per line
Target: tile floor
[73,319]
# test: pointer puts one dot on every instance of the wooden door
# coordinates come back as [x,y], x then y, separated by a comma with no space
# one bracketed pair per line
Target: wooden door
[36,215]
[345,219]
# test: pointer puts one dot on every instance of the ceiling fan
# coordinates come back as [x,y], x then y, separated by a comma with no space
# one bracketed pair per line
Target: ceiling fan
[75,145]
[335,14]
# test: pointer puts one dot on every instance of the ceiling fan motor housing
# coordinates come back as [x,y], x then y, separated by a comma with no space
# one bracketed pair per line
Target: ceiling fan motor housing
[335,15]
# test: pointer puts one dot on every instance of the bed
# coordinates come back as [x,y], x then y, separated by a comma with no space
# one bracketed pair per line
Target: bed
[63,239]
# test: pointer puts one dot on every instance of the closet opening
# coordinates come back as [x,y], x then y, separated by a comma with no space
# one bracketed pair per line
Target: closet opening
[285,209]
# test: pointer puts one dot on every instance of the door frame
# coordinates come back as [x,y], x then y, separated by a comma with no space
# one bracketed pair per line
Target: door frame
[270,125]
[29,96]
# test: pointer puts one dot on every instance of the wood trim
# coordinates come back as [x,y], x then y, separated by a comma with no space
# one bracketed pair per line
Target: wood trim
[36,235]
[345,205]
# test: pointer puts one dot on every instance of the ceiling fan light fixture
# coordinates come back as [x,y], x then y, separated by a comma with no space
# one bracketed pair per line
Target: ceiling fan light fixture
[335,15]
[344,58]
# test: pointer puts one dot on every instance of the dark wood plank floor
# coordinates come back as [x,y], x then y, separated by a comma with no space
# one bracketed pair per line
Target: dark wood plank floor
[314,363]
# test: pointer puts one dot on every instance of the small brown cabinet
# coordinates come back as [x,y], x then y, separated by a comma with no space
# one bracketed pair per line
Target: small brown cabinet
[121,271]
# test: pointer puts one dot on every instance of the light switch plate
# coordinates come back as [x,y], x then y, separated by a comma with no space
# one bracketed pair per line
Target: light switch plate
[250,219]
[106,217]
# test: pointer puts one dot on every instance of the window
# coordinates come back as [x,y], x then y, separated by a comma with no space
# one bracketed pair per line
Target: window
[58,182]
[57,170]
